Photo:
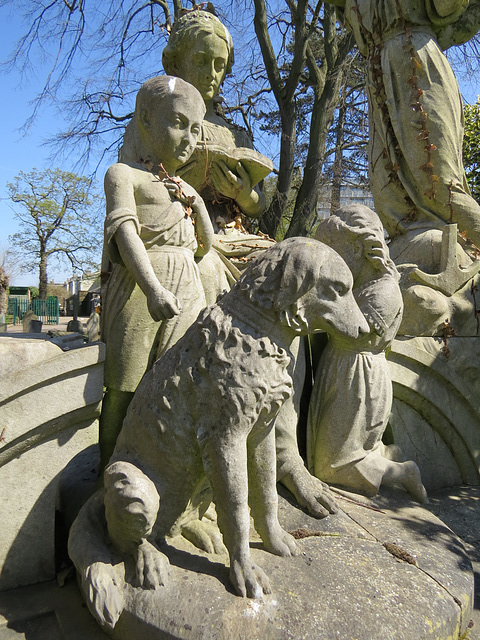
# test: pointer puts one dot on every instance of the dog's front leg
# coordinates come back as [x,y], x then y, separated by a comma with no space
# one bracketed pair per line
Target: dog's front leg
[225,462]
[263,496]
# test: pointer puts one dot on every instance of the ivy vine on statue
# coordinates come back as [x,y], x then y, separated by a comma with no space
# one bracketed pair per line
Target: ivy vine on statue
[416,169]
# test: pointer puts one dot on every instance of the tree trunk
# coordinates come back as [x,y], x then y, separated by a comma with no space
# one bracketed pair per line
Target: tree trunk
[271,218]
[42,279]
[328,81]
[322,116]
[338,162]
[3,291]
[284,89]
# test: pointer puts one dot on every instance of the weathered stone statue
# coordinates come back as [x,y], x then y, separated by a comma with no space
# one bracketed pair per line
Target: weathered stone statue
[416,168]
[200,51]
[352,395]
[201,424]
[224,168]
[155,226]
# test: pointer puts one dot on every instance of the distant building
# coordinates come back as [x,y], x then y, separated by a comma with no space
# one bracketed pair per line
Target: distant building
[87,286]
[348,195]
[23,293]
[85,282]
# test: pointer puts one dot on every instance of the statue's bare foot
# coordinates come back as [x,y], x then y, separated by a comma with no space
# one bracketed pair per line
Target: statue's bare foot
[205,535]
[152,566]
[248,579]
[412,482]
[408,475]
[310,492]
[393,452]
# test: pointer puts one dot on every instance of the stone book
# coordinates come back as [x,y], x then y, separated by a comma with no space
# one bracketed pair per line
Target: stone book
[197,170]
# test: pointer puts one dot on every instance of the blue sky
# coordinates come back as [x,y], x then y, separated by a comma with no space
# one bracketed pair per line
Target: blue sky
[22,150]
[25,150]
[18,152]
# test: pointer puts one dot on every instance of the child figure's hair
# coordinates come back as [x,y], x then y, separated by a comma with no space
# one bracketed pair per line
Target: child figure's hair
[153,91]
[189,26]
[363,224]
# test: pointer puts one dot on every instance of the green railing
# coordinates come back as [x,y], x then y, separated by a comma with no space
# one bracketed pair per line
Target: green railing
[46,310]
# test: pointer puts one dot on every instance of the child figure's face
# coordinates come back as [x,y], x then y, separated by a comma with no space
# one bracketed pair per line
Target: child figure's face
[171,128]
[204,64]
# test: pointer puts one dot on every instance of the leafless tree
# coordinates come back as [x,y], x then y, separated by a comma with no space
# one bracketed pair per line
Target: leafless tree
[59,218]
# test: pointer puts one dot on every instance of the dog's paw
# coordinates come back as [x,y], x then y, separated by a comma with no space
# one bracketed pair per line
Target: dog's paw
[152,566]
[281,543]
[249,580]
[103,593]
[204,535]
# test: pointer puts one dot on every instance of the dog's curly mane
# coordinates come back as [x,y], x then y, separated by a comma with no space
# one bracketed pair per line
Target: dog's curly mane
[243,370]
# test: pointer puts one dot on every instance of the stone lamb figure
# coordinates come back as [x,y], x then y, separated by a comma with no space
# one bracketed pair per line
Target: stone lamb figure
[201,425]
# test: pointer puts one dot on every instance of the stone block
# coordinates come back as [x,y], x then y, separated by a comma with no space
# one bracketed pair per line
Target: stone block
[435,416]
[31,323]
[49,403]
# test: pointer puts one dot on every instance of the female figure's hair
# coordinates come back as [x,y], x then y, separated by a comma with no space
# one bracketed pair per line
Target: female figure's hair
[359,222]
[191,25]
[151,93]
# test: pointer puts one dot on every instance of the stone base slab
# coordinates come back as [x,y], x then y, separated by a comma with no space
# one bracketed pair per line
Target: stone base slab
[394,571]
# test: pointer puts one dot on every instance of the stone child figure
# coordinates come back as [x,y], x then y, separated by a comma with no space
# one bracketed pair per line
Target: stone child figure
[154,228]
[201,424]
[200,51]
[352,394]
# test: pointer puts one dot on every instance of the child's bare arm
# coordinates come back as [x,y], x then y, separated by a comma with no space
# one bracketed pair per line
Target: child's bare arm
[203,224]
[119,191]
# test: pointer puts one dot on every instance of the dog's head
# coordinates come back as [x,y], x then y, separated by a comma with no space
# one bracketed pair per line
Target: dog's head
[308,284]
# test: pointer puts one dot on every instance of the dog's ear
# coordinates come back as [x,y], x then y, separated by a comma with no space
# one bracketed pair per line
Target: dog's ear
[294,318]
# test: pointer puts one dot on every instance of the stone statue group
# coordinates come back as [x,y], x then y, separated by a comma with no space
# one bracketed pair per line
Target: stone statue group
[204,321]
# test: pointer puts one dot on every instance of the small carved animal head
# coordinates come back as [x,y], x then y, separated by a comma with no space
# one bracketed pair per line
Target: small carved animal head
[131,502]
[308,285]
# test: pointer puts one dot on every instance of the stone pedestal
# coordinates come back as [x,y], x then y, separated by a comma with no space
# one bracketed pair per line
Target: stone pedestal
[394,571]
[435,416]
[49,402]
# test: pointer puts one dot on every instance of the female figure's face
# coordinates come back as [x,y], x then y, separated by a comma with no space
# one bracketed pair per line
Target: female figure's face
[204,64]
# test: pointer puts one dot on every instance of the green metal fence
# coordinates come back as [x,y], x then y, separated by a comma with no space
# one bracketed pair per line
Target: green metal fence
[46,310]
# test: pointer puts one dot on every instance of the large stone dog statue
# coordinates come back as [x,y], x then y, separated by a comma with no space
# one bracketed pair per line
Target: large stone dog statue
[201,423]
